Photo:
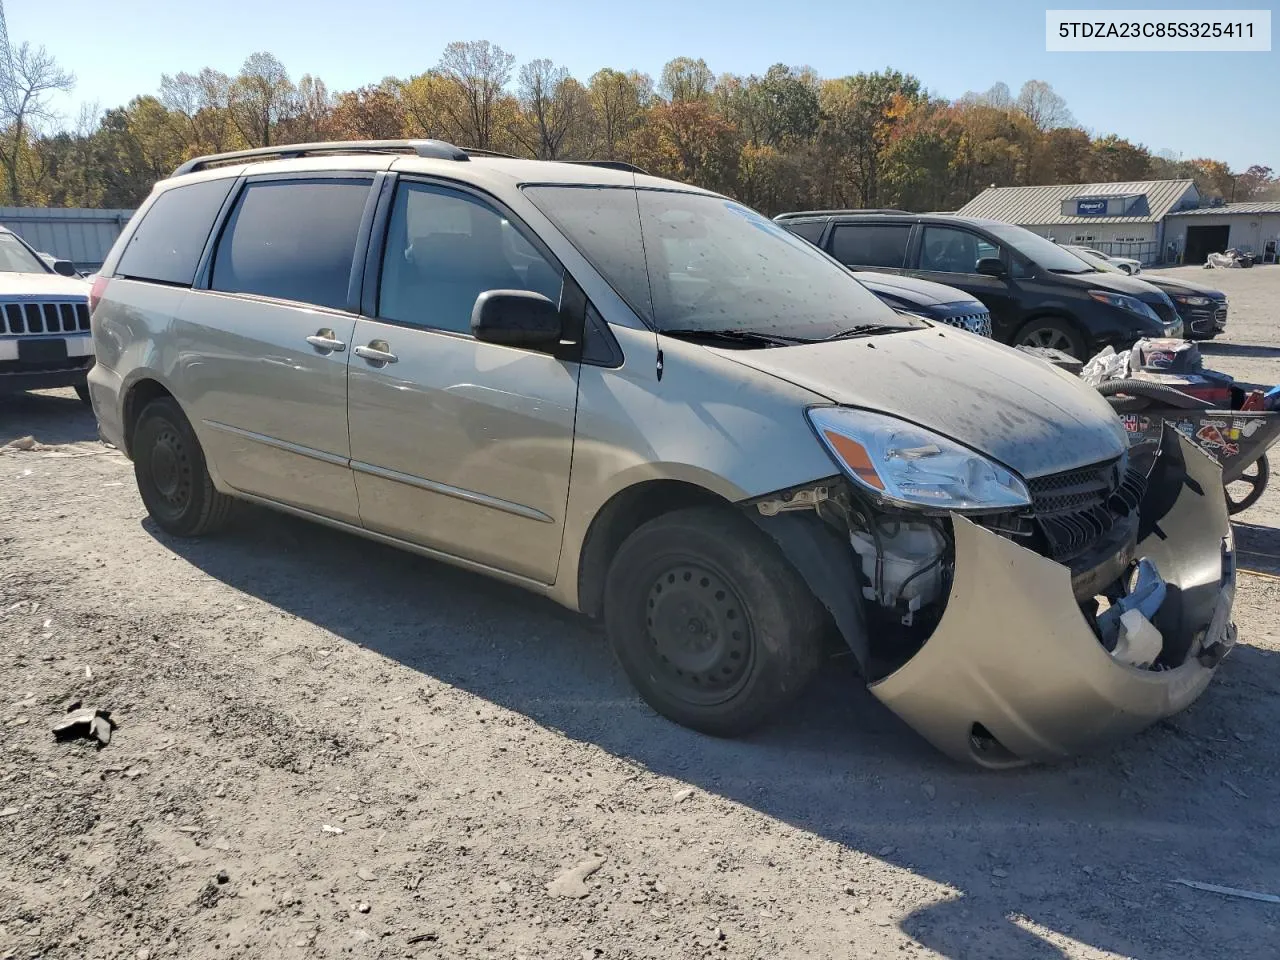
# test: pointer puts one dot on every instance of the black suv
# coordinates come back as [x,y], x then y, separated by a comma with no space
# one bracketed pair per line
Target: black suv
[1038,294]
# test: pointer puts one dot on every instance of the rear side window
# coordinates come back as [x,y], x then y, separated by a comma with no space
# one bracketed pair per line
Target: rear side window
[811,231]
[293,240]
[167,244]
[604,224]
[871,245]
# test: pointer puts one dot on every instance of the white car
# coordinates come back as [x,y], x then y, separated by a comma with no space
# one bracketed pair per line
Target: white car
[1124,264]
[44,321]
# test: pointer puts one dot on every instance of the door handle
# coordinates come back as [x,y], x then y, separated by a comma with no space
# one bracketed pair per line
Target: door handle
[377,351]
[325,340]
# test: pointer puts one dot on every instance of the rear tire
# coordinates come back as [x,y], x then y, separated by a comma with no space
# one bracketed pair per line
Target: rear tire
[173,479]
[714,627]
[1054,333]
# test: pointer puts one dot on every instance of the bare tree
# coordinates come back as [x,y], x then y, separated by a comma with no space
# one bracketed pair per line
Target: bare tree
[1043,106]
[203,102]
[555,105]
[24,102]
[479,70]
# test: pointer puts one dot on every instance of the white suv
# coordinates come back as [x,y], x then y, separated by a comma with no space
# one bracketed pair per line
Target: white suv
[44,321]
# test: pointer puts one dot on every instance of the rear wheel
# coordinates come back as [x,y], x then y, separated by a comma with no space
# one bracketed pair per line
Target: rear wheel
[173,480]
[1054,334]
[711,623]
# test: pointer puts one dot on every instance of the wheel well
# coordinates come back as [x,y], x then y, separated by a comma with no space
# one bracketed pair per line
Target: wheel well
[1064,318]
[626,511]
[135,401]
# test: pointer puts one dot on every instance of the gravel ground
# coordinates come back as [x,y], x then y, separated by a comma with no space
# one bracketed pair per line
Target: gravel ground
[329,748]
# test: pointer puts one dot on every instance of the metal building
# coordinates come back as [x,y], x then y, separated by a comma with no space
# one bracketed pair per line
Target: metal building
[82,236]
[1252,227]
[1121,219]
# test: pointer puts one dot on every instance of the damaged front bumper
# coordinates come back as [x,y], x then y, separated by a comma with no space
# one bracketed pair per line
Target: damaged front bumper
[1014,673]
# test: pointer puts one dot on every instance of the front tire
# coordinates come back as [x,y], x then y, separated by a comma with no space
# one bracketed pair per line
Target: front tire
[173,479]
[82,391]
[711,623]
[1054,333]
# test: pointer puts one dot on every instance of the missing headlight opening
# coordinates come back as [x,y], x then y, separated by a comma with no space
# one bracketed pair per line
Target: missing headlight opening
[1084,519]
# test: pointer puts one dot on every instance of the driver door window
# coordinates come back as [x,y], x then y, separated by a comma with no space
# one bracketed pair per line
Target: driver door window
[444,248]
[949,250]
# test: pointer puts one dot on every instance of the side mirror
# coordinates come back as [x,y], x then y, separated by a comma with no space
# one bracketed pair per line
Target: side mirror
[516,318]
[991,267]
[65,267]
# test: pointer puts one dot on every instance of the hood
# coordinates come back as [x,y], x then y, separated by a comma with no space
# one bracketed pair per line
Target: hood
[924,293]
[1116,282]
[1172,286]
[1019,410]
[37,285]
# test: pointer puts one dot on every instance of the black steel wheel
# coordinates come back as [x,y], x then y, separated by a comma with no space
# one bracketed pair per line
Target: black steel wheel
[1243,492]
[711,623]
[1054,334]
[173,480]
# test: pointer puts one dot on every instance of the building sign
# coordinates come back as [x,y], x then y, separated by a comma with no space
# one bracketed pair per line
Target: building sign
[1091,208]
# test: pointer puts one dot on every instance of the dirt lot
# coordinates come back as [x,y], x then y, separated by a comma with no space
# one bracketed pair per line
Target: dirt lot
[328,748]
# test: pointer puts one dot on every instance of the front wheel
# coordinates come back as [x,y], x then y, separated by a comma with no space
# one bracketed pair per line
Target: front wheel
[1247,489]
[711,623]
[1054,334]
[173,480]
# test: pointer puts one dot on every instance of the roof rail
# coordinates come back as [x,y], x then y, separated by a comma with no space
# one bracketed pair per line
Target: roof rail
[435,149]
[478,152]
[796,214]
[607,164]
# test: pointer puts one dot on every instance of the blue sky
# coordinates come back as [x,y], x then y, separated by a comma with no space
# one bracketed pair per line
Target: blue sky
[1222,105]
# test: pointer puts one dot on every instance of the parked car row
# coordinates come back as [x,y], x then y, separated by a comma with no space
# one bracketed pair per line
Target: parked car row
[662,409]
[1039,293]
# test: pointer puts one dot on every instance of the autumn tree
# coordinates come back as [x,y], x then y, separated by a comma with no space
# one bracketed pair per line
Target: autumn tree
[479,72]
[262,97]
[369,113]
[686,79]
[1043,106]
[555,108]
[618,101]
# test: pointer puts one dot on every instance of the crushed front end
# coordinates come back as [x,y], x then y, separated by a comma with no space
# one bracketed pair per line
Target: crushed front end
[1099,606]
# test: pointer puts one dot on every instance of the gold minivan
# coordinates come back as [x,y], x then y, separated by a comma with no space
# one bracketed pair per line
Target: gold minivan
[659,408]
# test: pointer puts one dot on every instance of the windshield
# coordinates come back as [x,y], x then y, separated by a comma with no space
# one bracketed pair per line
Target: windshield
[1043,253]
[16,258]
[1094,260]
[712,264]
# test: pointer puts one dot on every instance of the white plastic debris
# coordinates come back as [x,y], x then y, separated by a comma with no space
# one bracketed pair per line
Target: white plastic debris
[1139,642]
[1105,365]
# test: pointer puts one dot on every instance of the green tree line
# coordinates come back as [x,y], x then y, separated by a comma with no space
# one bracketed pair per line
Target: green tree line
[786,140]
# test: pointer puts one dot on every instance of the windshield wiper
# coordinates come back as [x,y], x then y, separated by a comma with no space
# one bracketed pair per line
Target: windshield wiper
[738,336]
[868,330]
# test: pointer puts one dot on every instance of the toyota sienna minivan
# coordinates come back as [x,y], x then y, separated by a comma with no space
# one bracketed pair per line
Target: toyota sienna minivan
[659,408]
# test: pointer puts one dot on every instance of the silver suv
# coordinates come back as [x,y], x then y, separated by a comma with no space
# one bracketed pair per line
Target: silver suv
[658,407]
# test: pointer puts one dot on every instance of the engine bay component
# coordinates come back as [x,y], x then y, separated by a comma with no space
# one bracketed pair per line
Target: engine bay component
[903,563]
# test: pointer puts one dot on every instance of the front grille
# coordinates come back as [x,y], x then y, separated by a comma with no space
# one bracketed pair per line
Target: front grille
[979,323]
[40,317]
[1074,490]
[1076,508]
[1220,315]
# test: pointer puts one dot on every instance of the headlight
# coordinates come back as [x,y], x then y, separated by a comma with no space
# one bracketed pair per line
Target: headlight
[1131,304]
[911,466]
[1191,300]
